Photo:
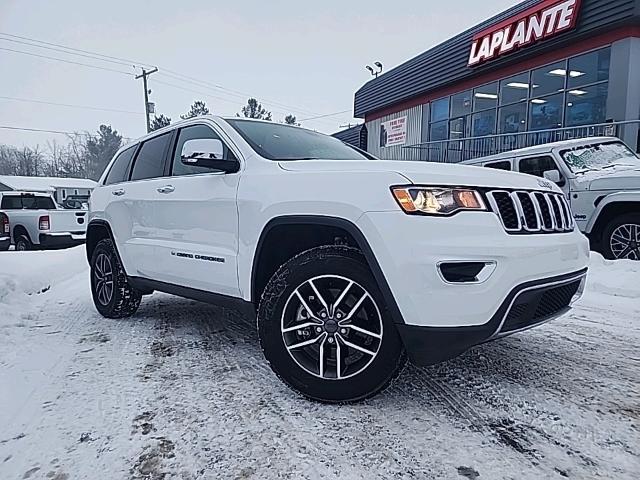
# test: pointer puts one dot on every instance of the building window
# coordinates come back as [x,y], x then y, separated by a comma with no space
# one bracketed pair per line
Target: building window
[440,110]
[549,79]
[484,123]
[566,93]
[514,89]
[512,118]
[439,131]
[546,112]
[461,104]
[485,97]
[459,127]
[587,105]
[589,68]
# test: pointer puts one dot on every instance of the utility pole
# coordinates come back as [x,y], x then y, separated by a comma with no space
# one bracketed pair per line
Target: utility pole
[144,76]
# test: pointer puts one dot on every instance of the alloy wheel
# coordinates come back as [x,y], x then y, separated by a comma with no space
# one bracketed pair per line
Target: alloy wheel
[625,241]
[103,276]
[332,327]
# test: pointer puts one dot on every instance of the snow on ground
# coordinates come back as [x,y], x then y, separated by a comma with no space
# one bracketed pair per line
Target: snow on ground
[181,391]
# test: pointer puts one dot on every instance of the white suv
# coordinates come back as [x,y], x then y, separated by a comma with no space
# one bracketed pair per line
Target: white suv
[350,263]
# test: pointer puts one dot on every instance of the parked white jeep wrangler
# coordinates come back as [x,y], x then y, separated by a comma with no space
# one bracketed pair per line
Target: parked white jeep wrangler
[600,177]
[350,262]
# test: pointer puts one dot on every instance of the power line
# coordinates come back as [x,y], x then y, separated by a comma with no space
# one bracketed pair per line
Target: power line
[87,107]
[209,95]
[327,115]
[26,129]
[43,130]
[164,71]
[66,61]
[127,61]
[93,57]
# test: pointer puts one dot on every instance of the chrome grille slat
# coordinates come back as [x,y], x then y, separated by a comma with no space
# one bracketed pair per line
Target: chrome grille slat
[531,211]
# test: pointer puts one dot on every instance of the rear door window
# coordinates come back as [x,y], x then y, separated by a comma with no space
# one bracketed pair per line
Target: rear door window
[537,165]
[120,168]
[149,162]
[11,202]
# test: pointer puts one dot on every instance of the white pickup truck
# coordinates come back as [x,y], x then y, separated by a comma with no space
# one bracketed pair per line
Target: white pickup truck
[600,178]
[36,222]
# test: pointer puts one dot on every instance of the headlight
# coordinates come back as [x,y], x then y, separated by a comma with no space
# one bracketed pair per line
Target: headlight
[438,200]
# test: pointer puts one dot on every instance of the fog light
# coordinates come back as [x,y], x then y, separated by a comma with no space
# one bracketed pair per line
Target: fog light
[466,272]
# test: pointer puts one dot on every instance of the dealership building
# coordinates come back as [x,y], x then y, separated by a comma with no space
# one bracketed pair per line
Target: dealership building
[544,70]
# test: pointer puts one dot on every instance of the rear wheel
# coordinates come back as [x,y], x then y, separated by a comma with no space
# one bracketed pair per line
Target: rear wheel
[325,330]
[23,243]
[112,294]
[621,237]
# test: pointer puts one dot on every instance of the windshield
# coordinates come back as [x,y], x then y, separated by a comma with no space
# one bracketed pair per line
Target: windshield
[599,156]
[276,141]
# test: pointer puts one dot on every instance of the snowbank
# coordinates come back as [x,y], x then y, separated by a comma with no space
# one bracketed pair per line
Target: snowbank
[24,274]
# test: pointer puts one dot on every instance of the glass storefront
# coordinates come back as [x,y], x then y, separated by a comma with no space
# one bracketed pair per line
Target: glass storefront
[566,93]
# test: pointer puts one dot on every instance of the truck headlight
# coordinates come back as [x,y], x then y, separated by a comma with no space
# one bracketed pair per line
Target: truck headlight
[438,200]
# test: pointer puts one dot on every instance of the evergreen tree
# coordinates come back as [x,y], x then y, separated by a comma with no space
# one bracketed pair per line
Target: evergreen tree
[100,149]
[253,109]
[159,122]
[197,108]
[291,120]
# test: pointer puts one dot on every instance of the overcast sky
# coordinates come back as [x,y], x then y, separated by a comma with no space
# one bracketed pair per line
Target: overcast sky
[300,57]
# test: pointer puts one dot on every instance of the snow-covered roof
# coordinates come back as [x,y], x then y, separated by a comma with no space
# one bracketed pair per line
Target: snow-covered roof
[44,184]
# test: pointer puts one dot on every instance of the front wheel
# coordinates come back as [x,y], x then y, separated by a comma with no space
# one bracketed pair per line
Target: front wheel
[621,237]
[324,327]
[112,294]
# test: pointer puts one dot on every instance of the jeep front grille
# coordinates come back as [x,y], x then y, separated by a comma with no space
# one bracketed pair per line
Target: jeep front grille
[531,212]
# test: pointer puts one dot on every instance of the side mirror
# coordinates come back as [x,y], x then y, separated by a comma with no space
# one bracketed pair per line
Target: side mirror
[552,176]
[207,153]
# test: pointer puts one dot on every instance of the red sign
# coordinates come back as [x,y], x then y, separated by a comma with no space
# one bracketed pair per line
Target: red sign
[544,20]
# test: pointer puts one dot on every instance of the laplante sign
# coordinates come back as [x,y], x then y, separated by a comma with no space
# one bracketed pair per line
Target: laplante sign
[541,21]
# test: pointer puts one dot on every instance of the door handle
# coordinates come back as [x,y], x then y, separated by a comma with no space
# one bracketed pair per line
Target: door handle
[166,189]
[118,192]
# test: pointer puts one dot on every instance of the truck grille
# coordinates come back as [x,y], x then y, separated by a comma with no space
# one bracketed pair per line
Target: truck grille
[531,212]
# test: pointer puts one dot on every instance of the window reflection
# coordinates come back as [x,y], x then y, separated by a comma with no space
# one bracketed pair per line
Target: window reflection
[514,89]
[513,118]
[568,92]
[546,112]
[587,105]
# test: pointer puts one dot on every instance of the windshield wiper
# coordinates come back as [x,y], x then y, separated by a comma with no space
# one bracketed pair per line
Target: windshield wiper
[298,158]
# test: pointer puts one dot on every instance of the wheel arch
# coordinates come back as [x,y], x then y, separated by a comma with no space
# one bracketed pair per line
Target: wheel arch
[264,265]
[99,230]
[20,230]
[608,209]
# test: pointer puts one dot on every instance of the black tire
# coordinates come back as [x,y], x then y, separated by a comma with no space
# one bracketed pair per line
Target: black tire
[122,300]
[23,243]
[341,264]
[613,227]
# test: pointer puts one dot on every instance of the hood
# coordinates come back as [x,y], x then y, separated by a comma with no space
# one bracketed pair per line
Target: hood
[615,178]
[426,173]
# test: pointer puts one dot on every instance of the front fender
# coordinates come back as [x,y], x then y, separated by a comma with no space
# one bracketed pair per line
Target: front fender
[618,197]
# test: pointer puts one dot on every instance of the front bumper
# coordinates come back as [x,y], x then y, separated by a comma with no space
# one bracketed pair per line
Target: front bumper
[409,249]
[527,306]
[61,240]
